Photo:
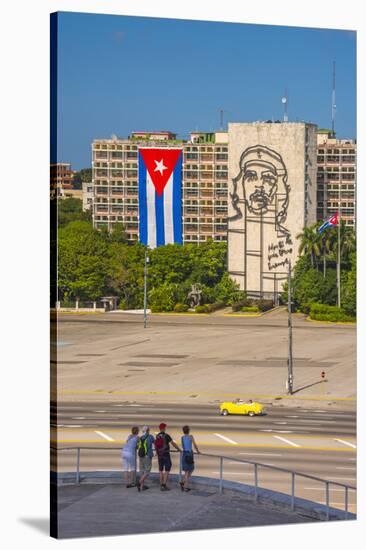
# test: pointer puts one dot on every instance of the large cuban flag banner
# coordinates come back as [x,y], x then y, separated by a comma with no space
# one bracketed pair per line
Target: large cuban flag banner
[160,196]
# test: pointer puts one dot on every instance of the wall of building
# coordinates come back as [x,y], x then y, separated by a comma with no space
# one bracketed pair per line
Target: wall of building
[204,181]
[336,178]
[272,195]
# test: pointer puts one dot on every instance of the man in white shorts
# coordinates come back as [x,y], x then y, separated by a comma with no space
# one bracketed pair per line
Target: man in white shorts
[129,457]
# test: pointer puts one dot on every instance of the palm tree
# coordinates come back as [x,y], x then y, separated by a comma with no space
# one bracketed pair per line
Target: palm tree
[310,243]
[347,241]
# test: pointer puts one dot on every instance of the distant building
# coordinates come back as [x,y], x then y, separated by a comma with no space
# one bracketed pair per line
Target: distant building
[204,177]
[154,136]
[272,196]
[61,179]
[336,179]
[87,195]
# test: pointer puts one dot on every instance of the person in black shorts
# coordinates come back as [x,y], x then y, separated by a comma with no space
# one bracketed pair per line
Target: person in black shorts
[162,447]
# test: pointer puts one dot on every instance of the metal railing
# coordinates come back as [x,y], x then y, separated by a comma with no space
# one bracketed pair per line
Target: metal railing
[256,465]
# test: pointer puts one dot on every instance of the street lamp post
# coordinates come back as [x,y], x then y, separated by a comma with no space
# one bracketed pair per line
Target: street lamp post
[145,288]
[290,376]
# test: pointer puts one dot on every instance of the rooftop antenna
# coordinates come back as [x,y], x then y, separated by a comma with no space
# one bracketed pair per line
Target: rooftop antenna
[333,100]
[285,102]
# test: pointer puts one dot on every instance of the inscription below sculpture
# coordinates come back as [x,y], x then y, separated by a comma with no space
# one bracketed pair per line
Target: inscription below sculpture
[278,253]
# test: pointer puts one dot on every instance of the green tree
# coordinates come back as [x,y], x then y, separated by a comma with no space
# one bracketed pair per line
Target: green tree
[164,297]
[169,264]
[83,266]
[349,289]
[69,210]
[347,242]
[226,290]
[310,243]
[126,275]
[118,234]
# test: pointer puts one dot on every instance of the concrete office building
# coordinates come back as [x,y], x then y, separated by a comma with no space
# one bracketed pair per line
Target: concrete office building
[87,195]
[336,177]
[204,177]
[272,196]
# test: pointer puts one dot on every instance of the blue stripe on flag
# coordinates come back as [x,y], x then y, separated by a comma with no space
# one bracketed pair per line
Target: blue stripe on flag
[177,201]
[159,214]
[142,201]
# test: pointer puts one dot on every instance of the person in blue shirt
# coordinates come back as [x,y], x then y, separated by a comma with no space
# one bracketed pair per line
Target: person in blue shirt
[145,453]
[188,443]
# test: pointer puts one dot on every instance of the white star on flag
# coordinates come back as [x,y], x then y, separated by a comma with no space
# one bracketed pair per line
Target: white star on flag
[160,167]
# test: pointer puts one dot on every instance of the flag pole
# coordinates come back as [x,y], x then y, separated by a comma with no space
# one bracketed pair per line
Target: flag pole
[339,247]
[145,288]
[339,254]
[290,376]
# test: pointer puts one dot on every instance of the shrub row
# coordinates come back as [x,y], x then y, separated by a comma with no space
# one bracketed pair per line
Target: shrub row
[181,308]
[261,305]
[209,308]
[322,312]
[250,309]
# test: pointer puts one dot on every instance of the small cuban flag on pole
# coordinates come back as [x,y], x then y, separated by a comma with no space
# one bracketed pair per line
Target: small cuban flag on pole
[160,196]
[330,222]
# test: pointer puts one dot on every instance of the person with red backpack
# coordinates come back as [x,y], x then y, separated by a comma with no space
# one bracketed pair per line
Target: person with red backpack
[162,447]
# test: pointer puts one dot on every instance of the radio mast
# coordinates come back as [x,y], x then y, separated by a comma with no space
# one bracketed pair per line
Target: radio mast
[333,100]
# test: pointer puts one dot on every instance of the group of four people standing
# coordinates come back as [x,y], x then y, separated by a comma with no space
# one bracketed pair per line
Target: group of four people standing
[145,445]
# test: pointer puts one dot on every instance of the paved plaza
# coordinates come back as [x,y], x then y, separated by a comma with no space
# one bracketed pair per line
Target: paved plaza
[204,358]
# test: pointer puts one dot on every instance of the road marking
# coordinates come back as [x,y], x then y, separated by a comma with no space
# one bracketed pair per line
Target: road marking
[345,467]
[286,441]
[292,417]
[280,422]
[155,393]
[78,417]
[100,411]
[346,443]
[226,439]
[104,436]
[284,431]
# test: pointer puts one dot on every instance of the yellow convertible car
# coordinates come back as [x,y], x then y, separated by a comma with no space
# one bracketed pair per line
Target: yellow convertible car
[241,407]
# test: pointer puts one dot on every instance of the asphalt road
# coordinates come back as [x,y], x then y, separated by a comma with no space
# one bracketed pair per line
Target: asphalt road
[318,442]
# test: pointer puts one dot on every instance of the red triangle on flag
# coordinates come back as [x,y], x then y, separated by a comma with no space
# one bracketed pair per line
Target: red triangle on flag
[334,220]
[160,164]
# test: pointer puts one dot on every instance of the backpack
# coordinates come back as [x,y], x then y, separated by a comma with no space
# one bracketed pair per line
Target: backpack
[160,443]
[142,446]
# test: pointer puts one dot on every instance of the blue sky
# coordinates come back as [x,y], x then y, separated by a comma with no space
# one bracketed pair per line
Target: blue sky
[118,74]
